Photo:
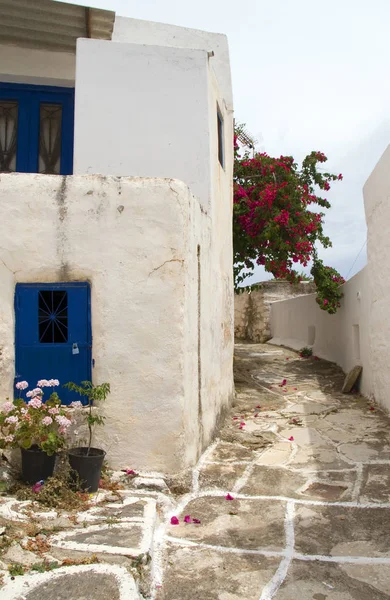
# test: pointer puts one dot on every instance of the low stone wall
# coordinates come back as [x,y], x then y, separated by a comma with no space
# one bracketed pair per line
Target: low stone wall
[252,308]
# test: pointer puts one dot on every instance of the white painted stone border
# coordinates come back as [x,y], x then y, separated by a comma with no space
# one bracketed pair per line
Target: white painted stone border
[61,541]
[17,589]
[93,514]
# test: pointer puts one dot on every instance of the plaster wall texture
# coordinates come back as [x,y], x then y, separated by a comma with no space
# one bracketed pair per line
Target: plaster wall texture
[343,338]
[377,207]
[37,67]
[135,31]
[252,309]
[136,241]
[155,106]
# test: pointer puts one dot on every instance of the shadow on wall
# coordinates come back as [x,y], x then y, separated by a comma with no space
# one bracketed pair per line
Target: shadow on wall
[252,308]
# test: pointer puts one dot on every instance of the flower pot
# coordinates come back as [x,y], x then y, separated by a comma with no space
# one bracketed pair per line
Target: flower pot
[36,464]
[88,467]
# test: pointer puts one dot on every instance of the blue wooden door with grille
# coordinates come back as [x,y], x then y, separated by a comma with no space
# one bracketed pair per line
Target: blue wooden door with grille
[53,334]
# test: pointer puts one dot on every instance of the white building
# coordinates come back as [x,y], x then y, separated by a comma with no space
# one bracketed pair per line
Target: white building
[116,207]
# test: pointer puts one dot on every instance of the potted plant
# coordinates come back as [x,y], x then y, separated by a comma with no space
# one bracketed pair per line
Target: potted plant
[87,461]
[38,429]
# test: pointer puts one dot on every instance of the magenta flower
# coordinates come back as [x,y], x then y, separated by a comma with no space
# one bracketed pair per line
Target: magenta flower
[258,406]
[130,472]
[196,521]
[291,439]
[235,418]
[187,519]
[229,497]
[283,383]
[174,521]
[256,414]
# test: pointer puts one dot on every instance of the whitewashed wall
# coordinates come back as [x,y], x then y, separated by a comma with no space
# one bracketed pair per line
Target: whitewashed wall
[136,240]
[150,118]
[343,338]
[377,206]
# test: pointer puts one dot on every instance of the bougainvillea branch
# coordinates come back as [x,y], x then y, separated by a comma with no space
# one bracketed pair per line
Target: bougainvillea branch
[274,225]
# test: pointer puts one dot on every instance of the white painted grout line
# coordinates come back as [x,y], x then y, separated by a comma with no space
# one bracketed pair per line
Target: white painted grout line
[277,580]
[201,461]
[243,480]
[352,560]
[358,483]
[20,587]
[223,549]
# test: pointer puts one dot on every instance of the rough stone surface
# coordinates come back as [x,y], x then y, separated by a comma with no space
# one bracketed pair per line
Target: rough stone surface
[77,587]
[308,471]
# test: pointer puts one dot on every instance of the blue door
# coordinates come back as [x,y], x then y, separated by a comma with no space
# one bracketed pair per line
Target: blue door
[53,334]
[36,129]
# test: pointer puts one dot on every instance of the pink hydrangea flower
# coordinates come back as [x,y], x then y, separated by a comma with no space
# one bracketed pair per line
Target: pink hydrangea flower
[77,405]
[54,410]
[21,385]
[43,383]
[63,421]
[47,421]
[7,407]
[12,420]
[35,403]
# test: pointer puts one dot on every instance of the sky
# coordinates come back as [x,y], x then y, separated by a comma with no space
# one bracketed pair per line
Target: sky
[307,75]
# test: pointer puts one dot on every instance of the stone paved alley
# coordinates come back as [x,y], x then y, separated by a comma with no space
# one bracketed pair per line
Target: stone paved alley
[308,470]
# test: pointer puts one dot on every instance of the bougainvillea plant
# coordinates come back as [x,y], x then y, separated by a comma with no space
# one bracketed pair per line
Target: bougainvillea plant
[274,224]
[39,424]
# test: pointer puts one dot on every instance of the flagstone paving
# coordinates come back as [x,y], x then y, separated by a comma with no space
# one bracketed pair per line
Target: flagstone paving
[307,473]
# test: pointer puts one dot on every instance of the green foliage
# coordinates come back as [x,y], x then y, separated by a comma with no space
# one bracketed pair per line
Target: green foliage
[16,569]
[94,394]
[306,352]
[274,224]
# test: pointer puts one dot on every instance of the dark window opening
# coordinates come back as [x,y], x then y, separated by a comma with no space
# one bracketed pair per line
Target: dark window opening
[50,139]
[53,316]
[8,136]
[221,156]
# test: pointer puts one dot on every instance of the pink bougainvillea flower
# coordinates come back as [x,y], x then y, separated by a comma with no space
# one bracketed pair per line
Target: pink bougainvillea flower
[235,418]
[174,521]
[291,438]
[372,408]
[283,383]
[37,486]
[187,519]
[229,497]
[196,521]
[256,414]
[258,406]
[130,472]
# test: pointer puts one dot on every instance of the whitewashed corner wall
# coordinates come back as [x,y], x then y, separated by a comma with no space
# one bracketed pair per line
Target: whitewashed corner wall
[377,207]
[136,241]
[343,338]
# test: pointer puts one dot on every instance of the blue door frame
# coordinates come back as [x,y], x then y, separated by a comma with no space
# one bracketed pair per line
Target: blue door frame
[39,354]
[29,98]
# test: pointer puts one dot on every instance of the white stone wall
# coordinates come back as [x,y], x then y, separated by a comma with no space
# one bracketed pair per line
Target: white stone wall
[343,338]
[136,241]
[252,309]
[377,206]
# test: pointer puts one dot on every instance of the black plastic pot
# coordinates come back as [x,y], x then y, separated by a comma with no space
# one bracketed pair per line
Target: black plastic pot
[88,467]
[36,464]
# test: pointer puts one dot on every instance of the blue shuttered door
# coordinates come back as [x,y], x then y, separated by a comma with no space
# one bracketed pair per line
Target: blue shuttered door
[53,334]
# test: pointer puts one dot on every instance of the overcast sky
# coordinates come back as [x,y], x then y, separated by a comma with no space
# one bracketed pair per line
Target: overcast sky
[307,75]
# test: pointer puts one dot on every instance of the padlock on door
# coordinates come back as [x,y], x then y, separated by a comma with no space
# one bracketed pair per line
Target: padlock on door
[75,349]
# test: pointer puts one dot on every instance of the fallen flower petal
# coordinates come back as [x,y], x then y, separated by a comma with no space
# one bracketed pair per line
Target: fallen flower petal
[229,497]
[130,472]
[235,418]
[256,414]
[291,439]
[187,519]
[196,521]
[174,521]
[283,383]
[258,406]
[372,408]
